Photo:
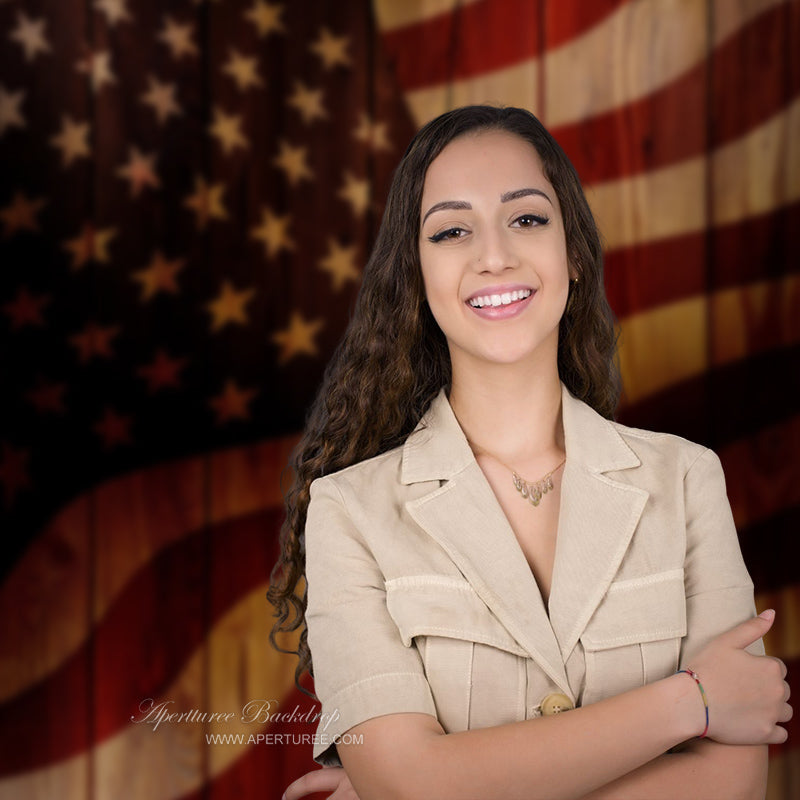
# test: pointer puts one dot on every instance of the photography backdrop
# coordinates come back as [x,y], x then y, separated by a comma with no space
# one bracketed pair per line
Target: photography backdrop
[188,193]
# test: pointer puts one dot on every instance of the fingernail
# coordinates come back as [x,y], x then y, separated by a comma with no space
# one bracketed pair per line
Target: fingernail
[768,615]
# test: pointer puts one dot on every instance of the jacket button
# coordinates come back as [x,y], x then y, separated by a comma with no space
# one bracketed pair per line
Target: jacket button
[555,704]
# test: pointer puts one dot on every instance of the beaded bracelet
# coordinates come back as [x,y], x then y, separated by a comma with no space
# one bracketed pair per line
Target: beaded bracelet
[696,678]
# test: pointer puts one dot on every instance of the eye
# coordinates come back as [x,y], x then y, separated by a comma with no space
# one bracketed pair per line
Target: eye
[530,221]
[448,233]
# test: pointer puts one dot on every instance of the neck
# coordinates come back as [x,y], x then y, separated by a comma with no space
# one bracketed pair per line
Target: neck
[512,413]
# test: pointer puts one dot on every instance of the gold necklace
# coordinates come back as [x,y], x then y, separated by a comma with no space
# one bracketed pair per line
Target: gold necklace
[533,491]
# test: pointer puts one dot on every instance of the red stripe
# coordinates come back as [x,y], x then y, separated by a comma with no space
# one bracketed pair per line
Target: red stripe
[486,36]
[725,404]
[142,643]
[567,19]
[754,73]
[672,123]
[480,37]
[645,276]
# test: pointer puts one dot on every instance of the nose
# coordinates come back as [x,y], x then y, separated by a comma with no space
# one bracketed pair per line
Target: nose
[495,253]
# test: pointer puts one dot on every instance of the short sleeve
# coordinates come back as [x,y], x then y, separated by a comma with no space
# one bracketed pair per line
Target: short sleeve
[362,669]
[719,591]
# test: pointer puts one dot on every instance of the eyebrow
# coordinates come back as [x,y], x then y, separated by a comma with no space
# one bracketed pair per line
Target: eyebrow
[462,205]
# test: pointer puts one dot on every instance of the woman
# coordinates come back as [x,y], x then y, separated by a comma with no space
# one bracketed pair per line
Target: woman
[483,547]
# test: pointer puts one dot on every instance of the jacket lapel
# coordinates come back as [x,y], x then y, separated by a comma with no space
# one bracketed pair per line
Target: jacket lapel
[463,516]
[597,519]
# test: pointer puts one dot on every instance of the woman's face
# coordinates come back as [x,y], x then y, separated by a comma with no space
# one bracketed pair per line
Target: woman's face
[492,250]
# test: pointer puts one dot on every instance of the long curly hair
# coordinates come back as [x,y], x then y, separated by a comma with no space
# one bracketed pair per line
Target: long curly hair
[393,358]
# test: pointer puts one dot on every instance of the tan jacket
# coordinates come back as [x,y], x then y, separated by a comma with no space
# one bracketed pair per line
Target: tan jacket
[420,598]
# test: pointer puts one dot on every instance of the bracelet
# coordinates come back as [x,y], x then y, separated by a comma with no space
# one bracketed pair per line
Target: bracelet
[696,678]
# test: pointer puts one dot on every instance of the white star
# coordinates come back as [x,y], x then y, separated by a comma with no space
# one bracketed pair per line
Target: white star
[98,67]
[72,140]
[266,17]
[178,38]
[330,49]
[355,192]
[292,160]
[10,115]
[273,233]
[308,102]
[243,70]
[116,11]
[340,262]
[227,129]
[372,133]
[29,33]
[161,98]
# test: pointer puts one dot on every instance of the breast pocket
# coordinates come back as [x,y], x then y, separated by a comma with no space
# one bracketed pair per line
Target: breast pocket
[634,636]
[475,668]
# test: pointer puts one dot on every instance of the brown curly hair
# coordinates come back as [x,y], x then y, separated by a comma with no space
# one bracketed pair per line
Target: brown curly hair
[393,358]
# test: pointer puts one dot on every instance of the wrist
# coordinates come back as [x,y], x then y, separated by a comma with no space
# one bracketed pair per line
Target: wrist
[687,713]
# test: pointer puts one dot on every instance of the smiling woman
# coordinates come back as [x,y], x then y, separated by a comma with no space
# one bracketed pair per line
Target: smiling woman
[484,548]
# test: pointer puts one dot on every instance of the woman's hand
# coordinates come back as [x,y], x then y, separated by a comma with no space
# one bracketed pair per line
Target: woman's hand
[747,694]
[328,779]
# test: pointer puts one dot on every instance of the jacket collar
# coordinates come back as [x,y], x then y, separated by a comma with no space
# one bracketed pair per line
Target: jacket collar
[598,515]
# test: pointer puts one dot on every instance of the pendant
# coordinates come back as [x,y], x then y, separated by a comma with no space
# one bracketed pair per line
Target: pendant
[533,492]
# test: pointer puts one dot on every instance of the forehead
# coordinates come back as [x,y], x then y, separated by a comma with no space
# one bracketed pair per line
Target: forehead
[485,162]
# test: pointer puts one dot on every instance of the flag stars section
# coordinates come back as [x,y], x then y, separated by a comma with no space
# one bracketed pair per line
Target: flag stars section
[26,309]
[206,202]
[298,338]
[163,372]
[308,102]
[159,276]
[331,50]
[229,307]
[47,397]
[90,244]
[273,232]
[162,99]
[20,215]
[355,192]
[266,17]
[178,38]
[243,70]
[98,67]
[372,133]
[292,161]
[139,171]
[72,141]
[94,341]
[113,429]
[340,264]
[227,130]
[30,35]
[10,114]
[232,403]
[115,11]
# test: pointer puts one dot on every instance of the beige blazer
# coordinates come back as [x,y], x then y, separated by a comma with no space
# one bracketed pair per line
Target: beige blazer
[420,598]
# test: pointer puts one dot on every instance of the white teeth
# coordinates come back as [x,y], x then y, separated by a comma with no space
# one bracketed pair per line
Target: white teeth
[503,299]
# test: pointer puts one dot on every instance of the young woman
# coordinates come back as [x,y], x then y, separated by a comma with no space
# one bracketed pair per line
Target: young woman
[483,547]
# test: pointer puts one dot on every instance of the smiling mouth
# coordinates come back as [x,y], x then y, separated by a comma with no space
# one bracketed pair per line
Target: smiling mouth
[495,300]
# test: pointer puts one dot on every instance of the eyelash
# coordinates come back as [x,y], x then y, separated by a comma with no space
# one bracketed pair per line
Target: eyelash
[539,219]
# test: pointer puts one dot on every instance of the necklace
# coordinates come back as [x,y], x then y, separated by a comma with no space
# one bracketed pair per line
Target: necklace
[533,491]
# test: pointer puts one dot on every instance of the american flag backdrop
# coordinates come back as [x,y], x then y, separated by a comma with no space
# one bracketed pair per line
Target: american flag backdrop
[189,190]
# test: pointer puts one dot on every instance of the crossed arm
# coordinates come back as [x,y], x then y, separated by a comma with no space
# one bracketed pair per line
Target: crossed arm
[619,743]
